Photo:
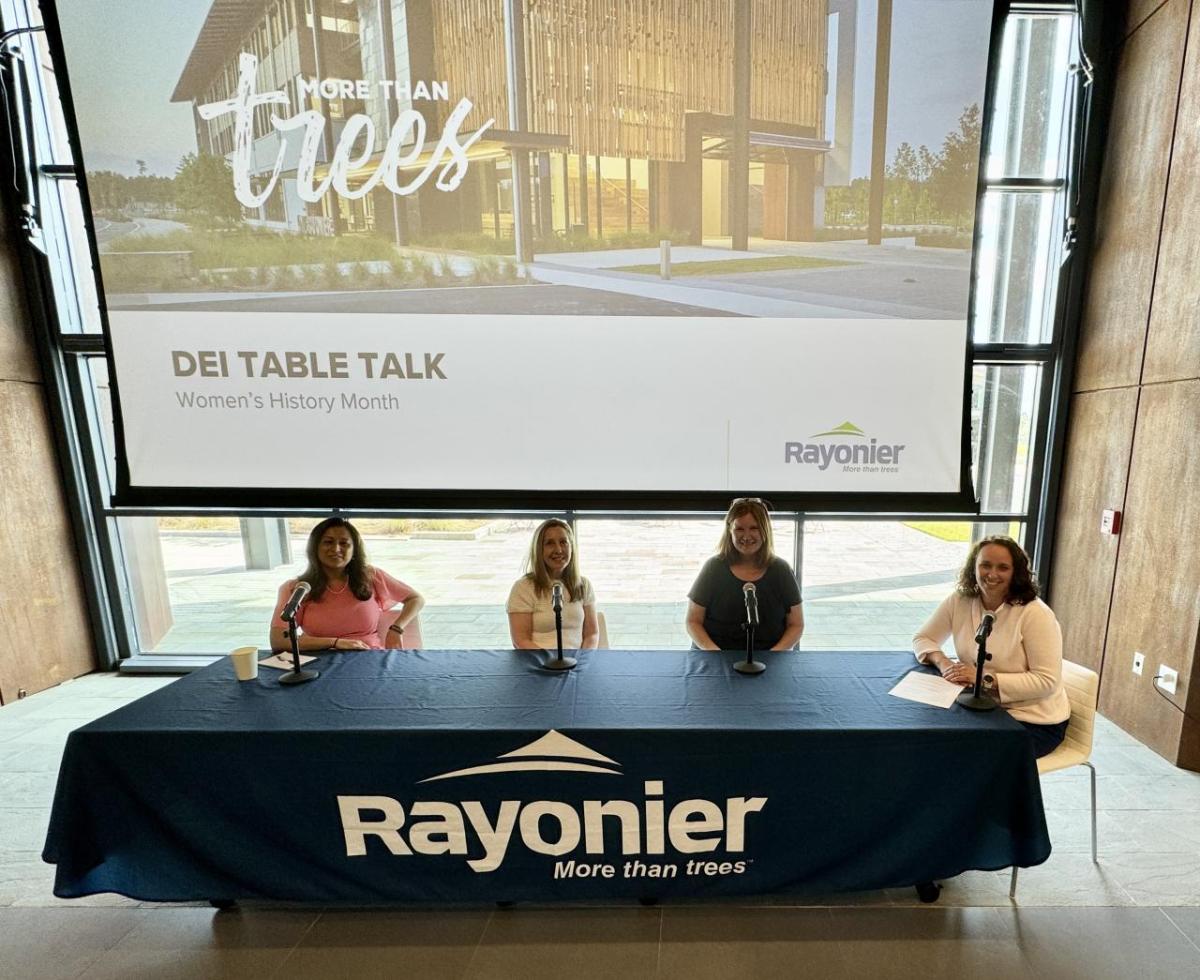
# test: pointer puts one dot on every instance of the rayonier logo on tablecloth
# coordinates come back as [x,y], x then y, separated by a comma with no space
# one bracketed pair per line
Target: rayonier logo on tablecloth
[648,829]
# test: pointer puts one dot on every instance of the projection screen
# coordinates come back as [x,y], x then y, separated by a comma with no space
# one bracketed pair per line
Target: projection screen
[543,252]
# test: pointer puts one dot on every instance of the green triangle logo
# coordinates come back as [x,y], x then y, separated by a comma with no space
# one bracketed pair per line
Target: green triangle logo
[845,429]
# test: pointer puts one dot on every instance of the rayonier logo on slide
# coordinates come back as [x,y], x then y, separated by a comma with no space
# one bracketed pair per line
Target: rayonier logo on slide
[848,447]
[649,827]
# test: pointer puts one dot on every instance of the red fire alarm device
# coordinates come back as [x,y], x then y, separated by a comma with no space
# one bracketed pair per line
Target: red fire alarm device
[1110,523]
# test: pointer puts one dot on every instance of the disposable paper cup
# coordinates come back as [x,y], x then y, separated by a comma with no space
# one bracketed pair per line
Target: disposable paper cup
[245,663]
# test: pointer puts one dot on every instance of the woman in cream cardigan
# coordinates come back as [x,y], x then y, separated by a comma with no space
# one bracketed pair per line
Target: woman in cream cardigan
[1025,672]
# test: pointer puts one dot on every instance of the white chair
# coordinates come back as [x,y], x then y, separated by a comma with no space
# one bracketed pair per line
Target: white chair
[602,643]
[411,640]
[1082,687]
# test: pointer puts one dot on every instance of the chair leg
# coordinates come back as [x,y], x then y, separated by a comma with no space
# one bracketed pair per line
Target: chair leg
[1093,771]
[1012,885]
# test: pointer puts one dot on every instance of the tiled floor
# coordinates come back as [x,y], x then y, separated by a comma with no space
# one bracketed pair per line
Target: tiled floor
[1135,914]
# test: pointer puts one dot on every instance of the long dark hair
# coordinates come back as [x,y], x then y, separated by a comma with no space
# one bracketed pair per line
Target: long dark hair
[358,571]
[1022,588]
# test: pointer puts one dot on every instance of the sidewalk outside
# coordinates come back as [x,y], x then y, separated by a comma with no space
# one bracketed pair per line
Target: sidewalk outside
[866,584]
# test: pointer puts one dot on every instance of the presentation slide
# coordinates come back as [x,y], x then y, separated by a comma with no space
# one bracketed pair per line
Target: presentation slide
[617,403]
[480,250]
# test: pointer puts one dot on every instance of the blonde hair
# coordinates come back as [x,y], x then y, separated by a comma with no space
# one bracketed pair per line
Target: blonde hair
[537,573]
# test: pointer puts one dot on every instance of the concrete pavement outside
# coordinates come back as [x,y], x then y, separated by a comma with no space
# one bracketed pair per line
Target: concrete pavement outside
[897,279]
[867,584]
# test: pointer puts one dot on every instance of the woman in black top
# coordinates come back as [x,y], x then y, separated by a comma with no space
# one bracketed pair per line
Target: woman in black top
[716,602]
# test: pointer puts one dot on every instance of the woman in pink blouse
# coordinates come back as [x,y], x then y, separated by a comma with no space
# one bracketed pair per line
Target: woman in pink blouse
[348,596]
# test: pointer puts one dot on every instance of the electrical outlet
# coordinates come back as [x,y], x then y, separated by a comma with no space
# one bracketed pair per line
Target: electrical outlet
[1167,679]
[1139,661]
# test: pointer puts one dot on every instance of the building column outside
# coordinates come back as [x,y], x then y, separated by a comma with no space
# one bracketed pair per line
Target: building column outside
[329,202]
[566,180]
[518,119]
[265,542]
[383,10]
[652,194]
[685,183]
[599,200]
[801,196]
[628,195]
[883,67]
[739,163]
[776,201]
[545,214]
[584,217]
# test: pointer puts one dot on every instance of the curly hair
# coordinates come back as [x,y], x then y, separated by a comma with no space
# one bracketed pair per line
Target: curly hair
[1022,588]
[358,570]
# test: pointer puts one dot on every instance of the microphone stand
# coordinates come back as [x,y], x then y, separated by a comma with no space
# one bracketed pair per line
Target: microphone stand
[296,675]
[750,665]
[974,698]
[560,662]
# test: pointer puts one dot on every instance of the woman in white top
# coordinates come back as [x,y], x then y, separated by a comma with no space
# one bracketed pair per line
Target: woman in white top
[1025,671]
[552,560]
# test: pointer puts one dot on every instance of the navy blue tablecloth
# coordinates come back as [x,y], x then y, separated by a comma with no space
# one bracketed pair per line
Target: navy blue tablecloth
[478,776]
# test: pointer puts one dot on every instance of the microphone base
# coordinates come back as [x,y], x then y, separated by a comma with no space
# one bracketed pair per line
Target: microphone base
[560,663]
[983,702]
[299,676]
[750,667]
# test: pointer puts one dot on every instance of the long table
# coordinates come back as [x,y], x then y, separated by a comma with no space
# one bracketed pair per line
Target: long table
[432,776]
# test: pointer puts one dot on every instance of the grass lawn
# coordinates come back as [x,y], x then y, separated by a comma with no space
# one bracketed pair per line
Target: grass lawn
[953,530]
[717,267]
[943,530]
[243,248]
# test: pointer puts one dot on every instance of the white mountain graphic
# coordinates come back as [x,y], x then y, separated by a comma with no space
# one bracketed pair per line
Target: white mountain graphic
[553,752]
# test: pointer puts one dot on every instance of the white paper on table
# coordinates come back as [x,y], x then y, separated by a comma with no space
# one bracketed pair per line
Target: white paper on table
[925,688]
[283,661]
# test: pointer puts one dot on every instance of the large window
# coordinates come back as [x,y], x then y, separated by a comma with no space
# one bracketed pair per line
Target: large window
[203,582]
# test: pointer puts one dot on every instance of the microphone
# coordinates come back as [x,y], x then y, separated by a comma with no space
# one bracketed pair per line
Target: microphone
[750,666]
[750,594]
[560,662]
[973,697]
[298,595]
[296,675]
[985,627]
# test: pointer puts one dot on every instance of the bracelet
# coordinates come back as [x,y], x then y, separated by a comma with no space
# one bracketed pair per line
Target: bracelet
[394,628]
[334,644]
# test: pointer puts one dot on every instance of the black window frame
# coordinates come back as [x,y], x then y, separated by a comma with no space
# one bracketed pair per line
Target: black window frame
[63,347]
